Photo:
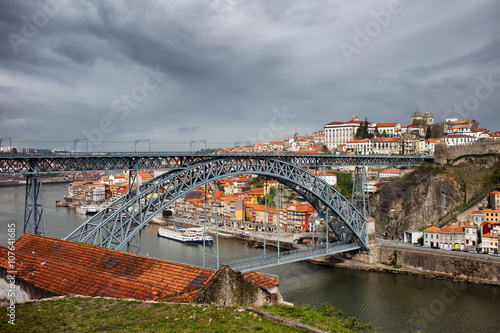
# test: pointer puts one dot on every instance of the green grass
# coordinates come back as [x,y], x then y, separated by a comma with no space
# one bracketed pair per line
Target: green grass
[79,314]
[329,318]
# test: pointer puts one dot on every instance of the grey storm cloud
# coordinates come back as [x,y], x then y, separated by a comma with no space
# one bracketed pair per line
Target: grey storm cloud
[86,69]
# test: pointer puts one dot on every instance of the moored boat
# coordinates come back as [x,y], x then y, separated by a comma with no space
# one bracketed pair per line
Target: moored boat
[199,236]
[178,234]
[61,204]
[86,209]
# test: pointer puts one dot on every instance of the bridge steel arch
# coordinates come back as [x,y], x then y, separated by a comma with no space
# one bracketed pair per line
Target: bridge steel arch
[118,224]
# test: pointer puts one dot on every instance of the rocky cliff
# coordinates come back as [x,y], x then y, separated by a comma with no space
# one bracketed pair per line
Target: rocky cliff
[431,193]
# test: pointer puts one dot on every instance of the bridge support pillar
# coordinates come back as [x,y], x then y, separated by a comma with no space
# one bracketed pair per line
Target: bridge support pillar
[34,216]
[360,198]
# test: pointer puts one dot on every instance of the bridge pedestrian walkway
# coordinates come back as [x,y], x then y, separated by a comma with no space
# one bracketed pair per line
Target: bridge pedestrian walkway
[274,259]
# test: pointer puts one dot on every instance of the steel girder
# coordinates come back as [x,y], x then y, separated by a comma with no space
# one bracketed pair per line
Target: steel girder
[132,161]
[360,197]
[117,224]
[34,216]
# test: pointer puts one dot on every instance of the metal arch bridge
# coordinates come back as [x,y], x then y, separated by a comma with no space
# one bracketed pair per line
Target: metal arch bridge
[34,165]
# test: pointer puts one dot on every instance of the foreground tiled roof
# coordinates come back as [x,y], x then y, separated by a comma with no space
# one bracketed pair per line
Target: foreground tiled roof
[65,267]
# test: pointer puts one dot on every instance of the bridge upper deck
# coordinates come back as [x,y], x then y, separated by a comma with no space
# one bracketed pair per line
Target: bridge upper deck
[169,160]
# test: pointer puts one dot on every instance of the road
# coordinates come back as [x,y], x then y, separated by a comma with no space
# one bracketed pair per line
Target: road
[438,251]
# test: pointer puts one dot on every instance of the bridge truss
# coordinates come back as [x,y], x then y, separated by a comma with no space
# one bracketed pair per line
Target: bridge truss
[135,161]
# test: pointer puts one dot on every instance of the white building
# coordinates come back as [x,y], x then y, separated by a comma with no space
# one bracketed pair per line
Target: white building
[489,243]
[389,173]
[390,129]
[330,178]
[338,133]
[386,146]
[430,145]
[470,235]
[363,147]
[452,140]
[412,236]
[477,217]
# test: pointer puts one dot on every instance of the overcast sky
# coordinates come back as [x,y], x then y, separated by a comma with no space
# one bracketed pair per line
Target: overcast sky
[234,70]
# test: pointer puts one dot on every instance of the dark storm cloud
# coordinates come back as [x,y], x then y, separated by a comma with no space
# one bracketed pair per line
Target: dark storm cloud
[85,70]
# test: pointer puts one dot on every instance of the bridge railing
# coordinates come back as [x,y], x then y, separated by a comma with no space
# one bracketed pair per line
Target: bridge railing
[274,259]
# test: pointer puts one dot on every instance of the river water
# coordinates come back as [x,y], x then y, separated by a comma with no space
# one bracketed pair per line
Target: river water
[392,303]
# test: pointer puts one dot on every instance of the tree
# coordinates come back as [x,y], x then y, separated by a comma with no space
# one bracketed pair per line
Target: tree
[428,132]
[362,132]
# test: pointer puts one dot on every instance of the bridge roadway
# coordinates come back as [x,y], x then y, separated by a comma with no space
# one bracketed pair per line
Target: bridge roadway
[34,165]
[249,264]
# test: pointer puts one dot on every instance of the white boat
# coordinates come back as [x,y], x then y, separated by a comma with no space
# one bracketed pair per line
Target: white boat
[199,236]
[86,209]
[178,234]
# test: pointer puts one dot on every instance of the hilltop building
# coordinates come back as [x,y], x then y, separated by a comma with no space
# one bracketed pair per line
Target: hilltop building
[338,133]
[427,118]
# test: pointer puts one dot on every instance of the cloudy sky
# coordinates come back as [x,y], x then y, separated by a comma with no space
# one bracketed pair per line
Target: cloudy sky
[232,70]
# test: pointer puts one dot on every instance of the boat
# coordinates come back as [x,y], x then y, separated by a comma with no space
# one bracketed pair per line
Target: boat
[199,235]
[61,204]
[254,244]
[178,234]
[86,209]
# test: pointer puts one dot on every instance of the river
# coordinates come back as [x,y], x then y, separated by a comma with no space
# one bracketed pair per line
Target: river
[392,303]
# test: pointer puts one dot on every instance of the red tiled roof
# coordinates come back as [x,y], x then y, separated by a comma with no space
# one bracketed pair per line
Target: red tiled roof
[261,280]
[391,171]
[359,141]
[432,229]
[447,229]
[65,267]
[388,139]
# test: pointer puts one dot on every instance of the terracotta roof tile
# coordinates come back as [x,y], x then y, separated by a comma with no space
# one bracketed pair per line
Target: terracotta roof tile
[261,280]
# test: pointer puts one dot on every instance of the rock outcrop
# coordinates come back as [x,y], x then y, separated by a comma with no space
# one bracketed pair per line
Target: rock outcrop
[432,193]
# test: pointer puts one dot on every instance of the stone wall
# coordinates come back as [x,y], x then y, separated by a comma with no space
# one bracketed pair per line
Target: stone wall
[476,269]
[24,290]
[443,154]
[229,288]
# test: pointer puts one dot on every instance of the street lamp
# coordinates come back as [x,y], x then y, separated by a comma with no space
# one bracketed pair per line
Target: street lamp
[143,141]
[81,140]
[197,141]
[10,143]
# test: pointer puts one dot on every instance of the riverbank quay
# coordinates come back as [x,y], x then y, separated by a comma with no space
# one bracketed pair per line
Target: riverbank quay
[423,262]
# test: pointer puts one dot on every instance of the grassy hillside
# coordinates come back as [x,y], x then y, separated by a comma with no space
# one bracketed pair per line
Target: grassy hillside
[85,314]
